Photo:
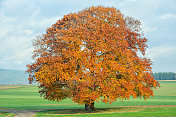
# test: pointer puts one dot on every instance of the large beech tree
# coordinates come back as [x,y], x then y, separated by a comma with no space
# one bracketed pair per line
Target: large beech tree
[90,56]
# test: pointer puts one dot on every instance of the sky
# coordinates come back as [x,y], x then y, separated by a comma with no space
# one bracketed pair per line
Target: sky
[22,20]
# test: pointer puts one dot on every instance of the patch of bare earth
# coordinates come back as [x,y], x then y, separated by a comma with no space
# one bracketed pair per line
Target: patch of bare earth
[21,113]
[121,109]
[152,106]
[173,94]
[61,104]
[9,87]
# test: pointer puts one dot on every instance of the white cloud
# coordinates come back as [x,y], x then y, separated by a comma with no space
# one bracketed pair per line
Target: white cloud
[141,9]
[17,32]
[126,2]
[36,12]
[43,22]
[12,4]
[163,58]
[162,51]
[22,56]
[5,25]
[168,16]
[147,28]
[17,62]
[28,32]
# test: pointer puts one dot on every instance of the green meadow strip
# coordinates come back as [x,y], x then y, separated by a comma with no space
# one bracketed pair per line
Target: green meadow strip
[26,97]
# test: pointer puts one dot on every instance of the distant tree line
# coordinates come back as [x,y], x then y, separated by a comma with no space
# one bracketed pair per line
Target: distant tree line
[164,76]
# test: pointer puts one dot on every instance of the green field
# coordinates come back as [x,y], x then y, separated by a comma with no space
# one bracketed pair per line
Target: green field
[5,114]
[26,97]
[118,112]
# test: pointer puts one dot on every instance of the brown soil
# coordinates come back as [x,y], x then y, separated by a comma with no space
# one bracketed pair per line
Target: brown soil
[151,106]
[9,87]
[61,104]
[21,113]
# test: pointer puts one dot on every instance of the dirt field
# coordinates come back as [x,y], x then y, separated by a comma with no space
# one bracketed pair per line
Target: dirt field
[8,87]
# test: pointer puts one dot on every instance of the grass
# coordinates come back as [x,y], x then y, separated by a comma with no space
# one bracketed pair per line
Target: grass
[5,114]
[120,112]
[26,97]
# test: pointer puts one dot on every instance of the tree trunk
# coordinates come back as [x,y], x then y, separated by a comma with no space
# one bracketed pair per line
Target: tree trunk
[86,107]
[92,107]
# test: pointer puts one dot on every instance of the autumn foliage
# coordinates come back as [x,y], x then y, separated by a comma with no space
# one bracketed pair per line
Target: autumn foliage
[90,56]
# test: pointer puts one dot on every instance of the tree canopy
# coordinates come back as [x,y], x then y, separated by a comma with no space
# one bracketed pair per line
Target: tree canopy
[92,55]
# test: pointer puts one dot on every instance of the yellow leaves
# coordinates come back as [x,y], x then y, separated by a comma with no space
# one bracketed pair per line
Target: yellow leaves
[91,54]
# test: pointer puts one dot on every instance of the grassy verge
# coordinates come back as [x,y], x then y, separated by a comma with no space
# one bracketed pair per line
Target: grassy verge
[6,114]
[120,112]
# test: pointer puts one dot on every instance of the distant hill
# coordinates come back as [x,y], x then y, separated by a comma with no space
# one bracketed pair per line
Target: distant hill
[13,77]
[164,76]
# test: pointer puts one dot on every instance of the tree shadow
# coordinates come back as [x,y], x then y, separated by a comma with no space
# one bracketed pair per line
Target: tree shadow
[82,111]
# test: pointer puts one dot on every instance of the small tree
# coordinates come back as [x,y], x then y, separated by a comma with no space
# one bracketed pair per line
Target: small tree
[90,56]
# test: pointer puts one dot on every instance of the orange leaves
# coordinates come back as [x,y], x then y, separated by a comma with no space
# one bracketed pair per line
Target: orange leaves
[92,55]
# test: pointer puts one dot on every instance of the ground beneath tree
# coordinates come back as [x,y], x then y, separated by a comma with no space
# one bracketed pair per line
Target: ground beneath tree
[30,113]
[21,113]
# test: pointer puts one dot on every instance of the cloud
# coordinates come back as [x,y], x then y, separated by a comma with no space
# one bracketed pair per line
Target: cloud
[147,28]
[22,56]
[168,16]
[17,31]
[125,2]
[140,9]
[12,4]
[4,25]
[163,58]
[28,32]
[159,51]
[43,22]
